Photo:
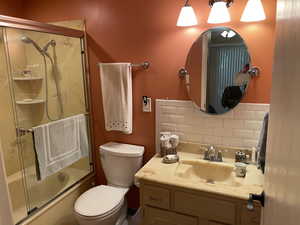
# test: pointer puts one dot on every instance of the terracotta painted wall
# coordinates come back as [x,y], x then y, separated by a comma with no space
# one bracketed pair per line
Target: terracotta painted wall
[138,30]
[11,8]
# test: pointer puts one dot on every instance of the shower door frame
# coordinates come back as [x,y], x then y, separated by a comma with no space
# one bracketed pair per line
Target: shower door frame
[18,23]
[13,22]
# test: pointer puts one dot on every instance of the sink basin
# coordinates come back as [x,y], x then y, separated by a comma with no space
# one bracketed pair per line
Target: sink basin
[198,170]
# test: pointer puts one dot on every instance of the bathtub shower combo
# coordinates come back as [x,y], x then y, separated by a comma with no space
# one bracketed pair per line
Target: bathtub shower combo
[43,83]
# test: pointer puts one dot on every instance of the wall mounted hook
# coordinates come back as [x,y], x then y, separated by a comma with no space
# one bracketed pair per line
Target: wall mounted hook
[254,71]
[182,72]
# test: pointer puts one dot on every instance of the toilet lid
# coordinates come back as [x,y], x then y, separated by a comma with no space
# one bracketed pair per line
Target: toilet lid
[99,200]
[124,150]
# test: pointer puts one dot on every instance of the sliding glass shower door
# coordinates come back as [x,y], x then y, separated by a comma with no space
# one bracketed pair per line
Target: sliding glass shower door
[45,83]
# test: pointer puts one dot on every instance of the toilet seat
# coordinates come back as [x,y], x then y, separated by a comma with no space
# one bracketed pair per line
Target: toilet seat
[100,201]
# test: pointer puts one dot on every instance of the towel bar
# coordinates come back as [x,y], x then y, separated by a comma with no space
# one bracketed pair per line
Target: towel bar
[145,65]
[22,131]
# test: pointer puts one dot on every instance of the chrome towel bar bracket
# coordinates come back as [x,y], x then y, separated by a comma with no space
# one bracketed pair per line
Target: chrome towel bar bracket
[145,65]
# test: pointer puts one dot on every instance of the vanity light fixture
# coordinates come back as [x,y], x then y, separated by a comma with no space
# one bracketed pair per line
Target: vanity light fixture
[187,16]
[254,11]
[219,11]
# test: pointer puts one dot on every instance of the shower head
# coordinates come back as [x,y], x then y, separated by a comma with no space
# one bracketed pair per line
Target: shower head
[28,40]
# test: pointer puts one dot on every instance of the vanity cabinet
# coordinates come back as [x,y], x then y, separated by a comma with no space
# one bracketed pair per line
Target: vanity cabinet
[168,205]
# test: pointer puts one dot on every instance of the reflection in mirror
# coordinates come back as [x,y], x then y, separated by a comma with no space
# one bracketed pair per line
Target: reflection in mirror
[218,65]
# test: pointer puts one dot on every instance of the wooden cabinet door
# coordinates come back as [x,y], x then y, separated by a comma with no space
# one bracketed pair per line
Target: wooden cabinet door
[153,216]
[250,217]
[155,196]
[204,207]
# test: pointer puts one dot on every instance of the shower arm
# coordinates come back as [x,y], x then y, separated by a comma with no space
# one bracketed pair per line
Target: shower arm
[50,43]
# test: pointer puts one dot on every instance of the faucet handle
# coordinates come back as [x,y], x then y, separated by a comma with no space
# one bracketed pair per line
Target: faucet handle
[206,154]
[211,148]
[219,157]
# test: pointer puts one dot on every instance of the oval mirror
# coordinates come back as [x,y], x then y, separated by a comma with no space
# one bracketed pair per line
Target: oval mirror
[217,67]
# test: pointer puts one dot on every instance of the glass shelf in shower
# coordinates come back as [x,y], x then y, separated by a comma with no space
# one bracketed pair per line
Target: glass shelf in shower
[27,78]
[34,101]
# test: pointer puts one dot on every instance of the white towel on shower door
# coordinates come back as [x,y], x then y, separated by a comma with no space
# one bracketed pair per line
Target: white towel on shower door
[59,144]
[116,83]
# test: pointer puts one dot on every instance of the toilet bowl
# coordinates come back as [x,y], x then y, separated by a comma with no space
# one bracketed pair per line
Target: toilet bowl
[106,204]
[100,205]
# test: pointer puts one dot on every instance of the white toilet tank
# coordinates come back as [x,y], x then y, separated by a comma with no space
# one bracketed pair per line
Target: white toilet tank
[120,162]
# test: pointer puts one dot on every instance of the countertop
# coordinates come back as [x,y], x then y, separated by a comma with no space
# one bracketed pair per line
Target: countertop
[156,171]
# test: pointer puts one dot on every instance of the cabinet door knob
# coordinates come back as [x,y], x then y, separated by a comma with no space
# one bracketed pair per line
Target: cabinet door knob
[254,197]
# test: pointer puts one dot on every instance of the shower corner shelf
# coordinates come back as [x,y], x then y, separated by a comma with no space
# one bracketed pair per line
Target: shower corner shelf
[26,78]
[35,101]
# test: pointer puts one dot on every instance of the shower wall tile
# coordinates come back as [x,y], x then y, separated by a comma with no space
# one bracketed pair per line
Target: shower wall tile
[239,128]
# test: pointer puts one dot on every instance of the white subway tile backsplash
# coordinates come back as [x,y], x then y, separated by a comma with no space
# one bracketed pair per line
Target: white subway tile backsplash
[190,137]
[239,127]
[234,123]
[222,132]
[242,133]
[173,110]
[230,141]
[250,143]
[200,130]
[257,107]
[168,127]
[211,139]
[253,124]
[212,123]
[256,134]
[259,115]
[177,119]
[244,114]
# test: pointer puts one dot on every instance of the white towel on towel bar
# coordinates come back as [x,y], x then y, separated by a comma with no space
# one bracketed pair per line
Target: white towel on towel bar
[116,83]
[59,144]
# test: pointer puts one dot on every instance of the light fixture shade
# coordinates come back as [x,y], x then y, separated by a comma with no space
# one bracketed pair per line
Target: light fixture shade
[254,11]
[187,17]
[219,13]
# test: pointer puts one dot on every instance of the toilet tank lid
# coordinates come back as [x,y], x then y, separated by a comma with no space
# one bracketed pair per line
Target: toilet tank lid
[120,149]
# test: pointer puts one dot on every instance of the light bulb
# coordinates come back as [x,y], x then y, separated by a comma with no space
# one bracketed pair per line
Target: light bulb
[187,17]
[228,34]
[219,13]
[254,11]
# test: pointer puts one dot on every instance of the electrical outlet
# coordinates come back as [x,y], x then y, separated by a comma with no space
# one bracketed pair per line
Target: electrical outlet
[146,104]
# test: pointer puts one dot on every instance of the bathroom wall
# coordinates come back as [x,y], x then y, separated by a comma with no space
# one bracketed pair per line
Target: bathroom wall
[134,31]
[11,8]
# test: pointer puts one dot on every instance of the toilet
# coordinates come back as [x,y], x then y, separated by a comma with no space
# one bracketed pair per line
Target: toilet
[106,204]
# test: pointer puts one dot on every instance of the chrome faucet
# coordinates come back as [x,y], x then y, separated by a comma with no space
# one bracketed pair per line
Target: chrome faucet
[213,155]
